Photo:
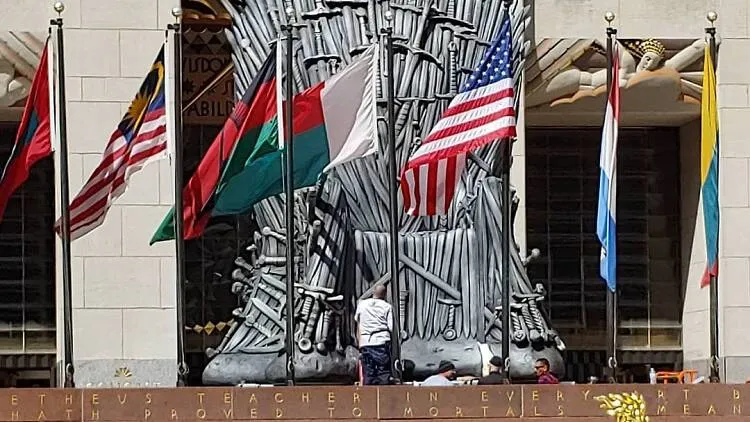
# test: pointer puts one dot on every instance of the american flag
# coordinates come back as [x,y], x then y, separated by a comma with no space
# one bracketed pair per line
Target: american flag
[481,113]
[140,138]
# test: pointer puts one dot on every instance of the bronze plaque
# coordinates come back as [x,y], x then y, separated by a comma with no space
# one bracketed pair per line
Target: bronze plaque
[306,403]
[450,402]
[157,404]
[579,403]
[40,405]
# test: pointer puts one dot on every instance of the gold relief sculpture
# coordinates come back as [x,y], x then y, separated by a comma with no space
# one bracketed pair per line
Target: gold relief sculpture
[123,372]
[661,81]
[625,407]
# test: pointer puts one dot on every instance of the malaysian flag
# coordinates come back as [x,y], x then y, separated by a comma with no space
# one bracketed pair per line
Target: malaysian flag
[140,138]
[481,113]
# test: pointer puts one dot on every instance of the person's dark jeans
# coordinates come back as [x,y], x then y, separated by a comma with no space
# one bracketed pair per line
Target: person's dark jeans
[376,363]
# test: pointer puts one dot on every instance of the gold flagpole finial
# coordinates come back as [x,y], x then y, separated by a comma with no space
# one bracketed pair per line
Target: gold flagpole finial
[712,16]
[609,17]
[59,7]
[177,12]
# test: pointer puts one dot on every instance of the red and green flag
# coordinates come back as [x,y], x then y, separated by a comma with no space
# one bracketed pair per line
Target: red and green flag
[33,141]
[334,122]
[244,126]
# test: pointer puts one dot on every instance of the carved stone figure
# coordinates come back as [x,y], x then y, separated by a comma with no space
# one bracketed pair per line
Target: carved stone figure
[449,268]
[574,83]
[12,88]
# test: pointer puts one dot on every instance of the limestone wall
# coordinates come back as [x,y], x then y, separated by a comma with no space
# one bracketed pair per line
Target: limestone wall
[123,289]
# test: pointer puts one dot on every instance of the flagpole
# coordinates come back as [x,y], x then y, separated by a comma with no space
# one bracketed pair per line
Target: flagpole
[714,280]
[289,189]
[177,162]
[506,148]
[393,198]
[69,380]
[611,296]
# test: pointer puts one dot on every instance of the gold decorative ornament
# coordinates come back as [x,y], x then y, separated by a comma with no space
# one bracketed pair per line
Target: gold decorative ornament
[123,372]
[652,46]
[625,407]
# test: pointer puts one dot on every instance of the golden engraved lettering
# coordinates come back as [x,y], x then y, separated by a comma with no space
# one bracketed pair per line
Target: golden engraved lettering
[736,409]
[511,393]
[535,395]
[408,396]
[484,411]
[173,414]
[146,414]
[355,398]
[661,409]
[42,416]
[434,411]
[459,412]
[227,413]
[94,399]
[200,413]
[253,413]
[68,399]
[711,410]
[279,413]
[685,409]
[736,394]
[356,412]
[148,398]
[586,394]
[94,414]
[560,410]
[200,398]
[13,400]
[278,398]
[68,414]
[510,412]
[433,396]
[122,399]
[408,412]
[685,391]
[330,411]
[331,397]
[560,396]
[485,397]
[14,415]
[253,399]
[227,398]
[41,399]
[660,394]
[536,412]
[305,397]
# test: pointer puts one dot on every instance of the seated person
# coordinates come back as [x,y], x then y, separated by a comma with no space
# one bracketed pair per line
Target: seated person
[543,374]
[496,375]
[446,372]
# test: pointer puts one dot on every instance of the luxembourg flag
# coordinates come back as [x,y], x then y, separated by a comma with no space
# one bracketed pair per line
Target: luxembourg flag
[606,228]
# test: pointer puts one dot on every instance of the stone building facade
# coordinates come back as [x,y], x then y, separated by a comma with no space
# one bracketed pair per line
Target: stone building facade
[123,289]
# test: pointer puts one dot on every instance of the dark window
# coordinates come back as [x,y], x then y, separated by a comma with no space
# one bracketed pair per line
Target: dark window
[27,259]
[562,184]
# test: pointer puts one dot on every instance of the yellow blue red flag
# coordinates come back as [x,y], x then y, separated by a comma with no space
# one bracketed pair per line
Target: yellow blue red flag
[710,168]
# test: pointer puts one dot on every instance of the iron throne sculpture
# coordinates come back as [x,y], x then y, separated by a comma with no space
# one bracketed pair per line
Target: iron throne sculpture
[449,266]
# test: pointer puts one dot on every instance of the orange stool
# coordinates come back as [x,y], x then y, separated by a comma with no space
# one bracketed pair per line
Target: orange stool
[682,377]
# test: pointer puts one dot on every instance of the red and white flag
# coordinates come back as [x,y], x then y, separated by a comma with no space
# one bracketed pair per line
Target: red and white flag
[482,113]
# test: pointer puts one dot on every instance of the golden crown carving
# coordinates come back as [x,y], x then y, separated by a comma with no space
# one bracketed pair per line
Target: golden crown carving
[651,46]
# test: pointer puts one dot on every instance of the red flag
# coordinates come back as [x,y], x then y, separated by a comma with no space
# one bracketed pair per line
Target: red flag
[33,141]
